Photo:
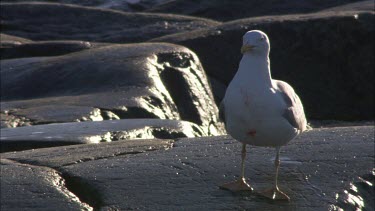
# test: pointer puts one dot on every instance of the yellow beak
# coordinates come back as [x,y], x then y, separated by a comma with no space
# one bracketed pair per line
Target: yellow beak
[246,48]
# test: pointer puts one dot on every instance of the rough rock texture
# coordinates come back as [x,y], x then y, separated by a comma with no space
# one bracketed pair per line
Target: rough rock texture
[359,195]
[123,5]
[225,10]
[151,80]
[327,57]
[51,21]
[41,48]
[6,39]
[40,136]
[315,167]
[356,6]
[28,187]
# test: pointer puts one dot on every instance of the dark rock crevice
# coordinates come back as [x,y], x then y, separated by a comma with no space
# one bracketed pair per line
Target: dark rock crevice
[86,193]
[179,91]
[134,152]
[76,187]
[177,69]
[72,187]
[129,113]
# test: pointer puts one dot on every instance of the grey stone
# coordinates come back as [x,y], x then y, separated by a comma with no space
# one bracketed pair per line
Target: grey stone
[42,48]
[11,41]
[225,10]
[156,80]
[356,6]
[124,5]
[32,137]
[28,187]
[359,195]
[327,57]
[314,168]
[56,157]
[52,21]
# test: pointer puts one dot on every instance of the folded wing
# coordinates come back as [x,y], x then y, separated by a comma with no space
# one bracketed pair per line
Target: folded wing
[294,112]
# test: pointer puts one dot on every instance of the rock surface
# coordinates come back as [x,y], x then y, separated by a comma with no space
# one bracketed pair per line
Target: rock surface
[150,80]
[225,10]
[29,187]
[124,5]
[6,39]
[116,114]
[40,136]
[356,6]
[41,48]
[359,195]
[327,57]
[121,175]
[51,21]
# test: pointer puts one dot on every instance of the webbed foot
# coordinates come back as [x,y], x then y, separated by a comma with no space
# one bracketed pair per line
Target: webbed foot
[239,185]
[275,194]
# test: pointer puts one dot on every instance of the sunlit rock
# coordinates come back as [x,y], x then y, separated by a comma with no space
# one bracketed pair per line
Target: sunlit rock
[327,57]
[40,136]
[162,81]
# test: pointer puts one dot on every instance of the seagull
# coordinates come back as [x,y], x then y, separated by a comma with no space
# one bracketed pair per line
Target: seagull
[259,110]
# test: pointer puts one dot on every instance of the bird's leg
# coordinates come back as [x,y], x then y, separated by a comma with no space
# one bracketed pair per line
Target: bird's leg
[277,165]
[274,193]
[240,184]
[243,157]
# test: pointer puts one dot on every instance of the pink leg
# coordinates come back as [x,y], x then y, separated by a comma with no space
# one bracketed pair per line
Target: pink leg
[240,184]
[274,193]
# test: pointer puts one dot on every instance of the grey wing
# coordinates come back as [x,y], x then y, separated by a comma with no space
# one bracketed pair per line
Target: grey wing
[294,112]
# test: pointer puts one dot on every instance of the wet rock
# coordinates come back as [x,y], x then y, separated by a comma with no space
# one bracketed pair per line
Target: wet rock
[356,6]
[51,21]
[87,152]
[156,80]
[11,41]
[40,136]
[359,195]
[327,57]
[314,167]
[124,5]
[225,10]
[27,187]
[42,48]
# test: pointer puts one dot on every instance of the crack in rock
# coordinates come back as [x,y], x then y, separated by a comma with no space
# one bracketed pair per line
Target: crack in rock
[145,133]
[149,149]
[76,188]
[65,185]
[183,76]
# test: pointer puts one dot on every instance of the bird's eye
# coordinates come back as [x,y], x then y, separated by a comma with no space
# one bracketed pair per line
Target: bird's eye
[262,38]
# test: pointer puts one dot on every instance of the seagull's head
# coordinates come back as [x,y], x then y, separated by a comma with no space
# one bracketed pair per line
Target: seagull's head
[255,42]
